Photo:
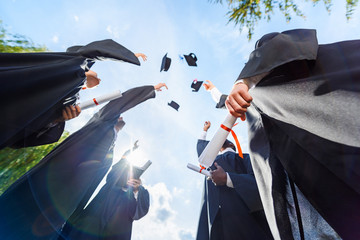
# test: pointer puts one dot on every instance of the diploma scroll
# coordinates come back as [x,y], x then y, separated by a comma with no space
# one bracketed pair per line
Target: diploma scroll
[99,100]
[209,154]
[199,170]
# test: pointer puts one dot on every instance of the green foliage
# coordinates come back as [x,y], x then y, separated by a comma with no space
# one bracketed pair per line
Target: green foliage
[247,13]
[15,162]
[17,43]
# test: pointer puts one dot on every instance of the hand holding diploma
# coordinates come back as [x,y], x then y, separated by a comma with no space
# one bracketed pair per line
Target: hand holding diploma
[199,170]
[99,100]
[238,100]
[68,112]
[134,184]
[218,175]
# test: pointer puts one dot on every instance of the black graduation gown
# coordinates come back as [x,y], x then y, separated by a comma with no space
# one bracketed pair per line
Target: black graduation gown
[40,201]
[34,87]
[111,213]
[242,215]
[304,126]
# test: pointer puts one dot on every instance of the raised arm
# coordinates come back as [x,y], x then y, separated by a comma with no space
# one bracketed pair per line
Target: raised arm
[201,144]
[272,50]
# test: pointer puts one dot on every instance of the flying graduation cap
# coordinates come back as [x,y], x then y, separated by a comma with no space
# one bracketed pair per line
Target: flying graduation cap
[196,85]
[165,64]
[191,59]
[174,105]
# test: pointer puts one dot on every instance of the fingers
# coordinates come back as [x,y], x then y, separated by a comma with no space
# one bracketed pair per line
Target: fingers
[143,56]
[159,86]
[218,167]
[70,112]
[207,125]
[238,100]
[234,107]
[78,109]
[134,182]
[65,115]
[208,85]
[232,111]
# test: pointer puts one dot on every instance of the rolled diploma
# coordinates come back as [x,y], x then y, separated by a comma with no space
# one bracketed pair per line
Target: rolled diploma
[100,100]
[197,169]
[210,152]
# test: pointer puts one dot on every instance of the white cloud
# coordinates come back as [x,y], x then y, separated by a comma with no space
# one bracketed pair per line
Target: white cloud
[117,32]
[160,222]
[55,39]
[177,191]
[76,18]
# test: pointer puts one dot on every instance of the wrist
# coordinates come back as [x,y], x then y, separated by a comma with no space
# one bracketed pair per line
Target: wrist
[242,82]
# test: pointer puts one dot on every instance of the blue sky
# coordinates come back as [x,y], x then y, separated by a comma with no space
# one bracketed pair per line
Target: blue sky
[167,137]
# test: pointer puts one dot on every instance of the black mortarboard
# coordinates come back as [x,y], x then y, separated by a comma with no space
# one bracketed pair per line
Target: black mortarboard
[174,105]
[165,64]
[191,59]
[196,85]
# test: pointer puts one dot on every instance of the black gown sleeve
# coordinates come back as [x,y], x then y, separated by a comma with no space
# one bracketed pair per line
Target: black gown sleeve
[129,99]
[201,145]
[245,185]
[142,203]
[105,49]
[46,135]
[300,44]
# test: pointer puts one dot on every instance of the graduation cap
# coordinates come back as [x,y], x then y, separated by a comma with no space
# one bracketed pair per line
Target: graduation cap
[191,59]
[174,105]
[165,64]
[195,85]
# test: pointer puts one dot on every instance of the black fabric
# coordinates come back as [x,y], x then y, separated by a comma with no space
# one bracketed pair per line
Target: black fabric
[237,205]
[165,63]
[196,85]
[191,59]
[278,49]
[110,214]
[174,105]
[304,125]
[221,103]
[63,181]
[35,86]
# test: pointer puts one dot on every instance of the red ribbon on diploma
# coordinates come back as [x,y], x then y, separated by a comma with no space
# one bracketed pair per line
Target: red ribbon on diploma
[202,168]
[235,138]
[96,103]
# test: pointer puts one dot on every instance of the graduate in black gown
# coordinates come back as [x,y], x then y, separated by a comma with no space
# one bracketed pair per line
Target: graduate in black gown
[304,132]
[35,86]
[110,214]
[38,203]
[231,207]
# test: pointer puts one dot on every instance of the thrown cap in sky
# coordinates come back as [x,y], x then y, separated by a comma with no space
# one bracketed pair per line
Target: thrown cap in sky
[174,105]
[196,85]
[165,64]
[191,59]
